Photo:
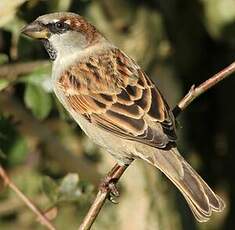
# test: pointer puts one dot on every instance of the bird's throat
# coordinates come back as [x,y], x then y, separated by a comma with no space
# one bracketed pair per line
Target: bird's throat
[50,49]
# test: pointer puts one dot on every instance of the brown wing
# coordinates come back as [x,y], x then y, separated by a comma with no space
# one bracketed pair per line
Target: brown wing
[124,102]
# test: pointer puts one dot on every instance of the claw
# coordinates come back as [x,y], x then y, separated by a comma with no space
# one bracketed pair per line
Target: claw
[108,184]
[112,199]
[113,189]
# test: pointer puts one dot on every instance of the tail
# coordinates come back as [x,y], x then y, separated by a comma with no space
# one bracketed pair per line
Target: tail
[199,196]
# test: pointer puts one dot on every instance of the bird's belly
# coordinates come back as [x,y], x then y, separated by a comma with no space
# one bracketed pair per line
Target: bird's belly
[123,150]
[120,148]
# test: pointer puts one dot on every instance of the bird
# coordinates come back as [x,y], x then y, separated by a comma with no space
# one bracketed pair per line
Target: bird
[116,104]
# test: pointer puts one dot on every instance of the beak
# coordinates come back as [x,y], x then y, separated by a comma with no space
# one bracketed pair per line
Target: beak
[36,30]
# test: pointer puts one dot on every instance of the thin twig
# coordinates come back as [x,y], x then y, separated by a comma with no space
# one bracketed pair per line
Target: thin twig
[25,199]
[203,87]
[94,210]
[102,195]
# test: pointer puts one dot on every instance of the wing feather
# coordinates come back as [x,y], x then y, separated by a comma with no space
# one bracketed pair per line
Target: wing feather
[117,96]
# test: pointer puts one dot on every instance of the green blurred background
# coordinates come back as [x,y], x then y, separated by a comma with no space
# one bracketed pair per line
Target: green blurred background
[178,43]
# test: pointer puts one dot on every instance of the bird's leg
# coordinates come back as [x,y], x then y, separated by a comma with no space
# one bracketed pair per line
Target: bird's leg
[108,184]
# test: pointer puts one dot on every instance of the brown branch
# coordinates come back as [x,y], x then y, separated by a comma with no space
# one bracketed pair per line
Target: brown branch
[29,203]
[11,71]
[102,194]
[203,87]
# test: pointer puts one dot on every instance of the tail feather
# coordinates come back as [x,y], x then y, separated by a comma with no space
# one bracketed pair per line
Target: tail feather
[199,196]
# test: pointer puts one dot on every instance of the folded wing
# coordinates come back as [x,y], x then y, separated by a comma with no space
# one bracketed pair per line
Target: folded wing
[112,92]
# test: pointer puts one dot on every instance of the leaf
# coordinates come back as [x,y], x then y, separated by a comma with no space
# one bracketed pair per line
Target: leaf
[38,101]
[69,189]
[37,76]
[50,188]
[69,183]
[3,84]
[40,77]
[36,94]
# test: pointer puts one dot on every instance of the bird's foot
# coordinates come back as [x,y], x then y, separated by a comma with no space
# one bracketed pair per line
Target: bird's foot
[108,185]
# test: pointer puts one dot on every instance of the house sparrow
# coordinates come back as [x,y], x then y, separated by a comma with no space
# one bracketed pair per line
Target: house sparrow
[116,104]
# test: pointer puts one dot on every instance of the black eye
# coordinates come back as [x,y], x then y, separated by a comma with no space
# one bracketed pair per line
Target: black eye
[58,27]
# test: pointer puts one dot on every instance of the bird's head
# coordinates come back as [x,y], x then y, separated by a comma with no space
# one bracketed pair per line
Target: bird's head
[63,33]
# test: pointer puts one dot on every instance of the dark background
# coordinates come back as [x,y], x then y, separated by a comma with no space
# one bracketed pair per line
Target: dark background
[179,43]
